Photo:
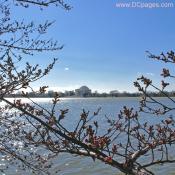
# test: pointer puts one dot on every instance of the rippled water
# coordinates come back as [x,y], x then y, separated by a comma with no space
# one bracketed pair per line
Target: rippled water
[71,165]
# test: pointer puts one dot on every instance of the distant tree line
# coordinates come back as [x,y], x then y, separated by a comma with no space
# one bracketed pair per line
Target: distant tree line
[51,94]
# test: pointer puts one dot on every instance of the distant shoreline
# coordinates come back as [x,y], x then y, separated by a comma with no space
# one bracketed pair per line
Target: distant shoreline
[84,97]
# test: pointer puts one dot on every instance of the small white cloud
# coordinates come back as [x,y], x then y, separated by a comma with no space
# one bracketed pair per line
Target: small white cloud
[149,73]
[66,68]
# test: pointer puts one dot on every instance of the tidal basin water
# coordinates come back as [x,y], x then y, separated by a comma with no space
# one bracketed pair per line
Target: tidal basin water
[75,165]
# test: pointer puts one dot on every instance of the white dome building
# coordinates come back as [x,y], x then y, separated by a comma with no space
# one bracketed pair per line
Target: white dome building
[83,91]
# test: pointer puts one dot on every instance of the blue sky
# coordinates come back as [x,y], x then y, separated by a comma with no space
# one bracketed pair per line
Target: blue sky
[104,45]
